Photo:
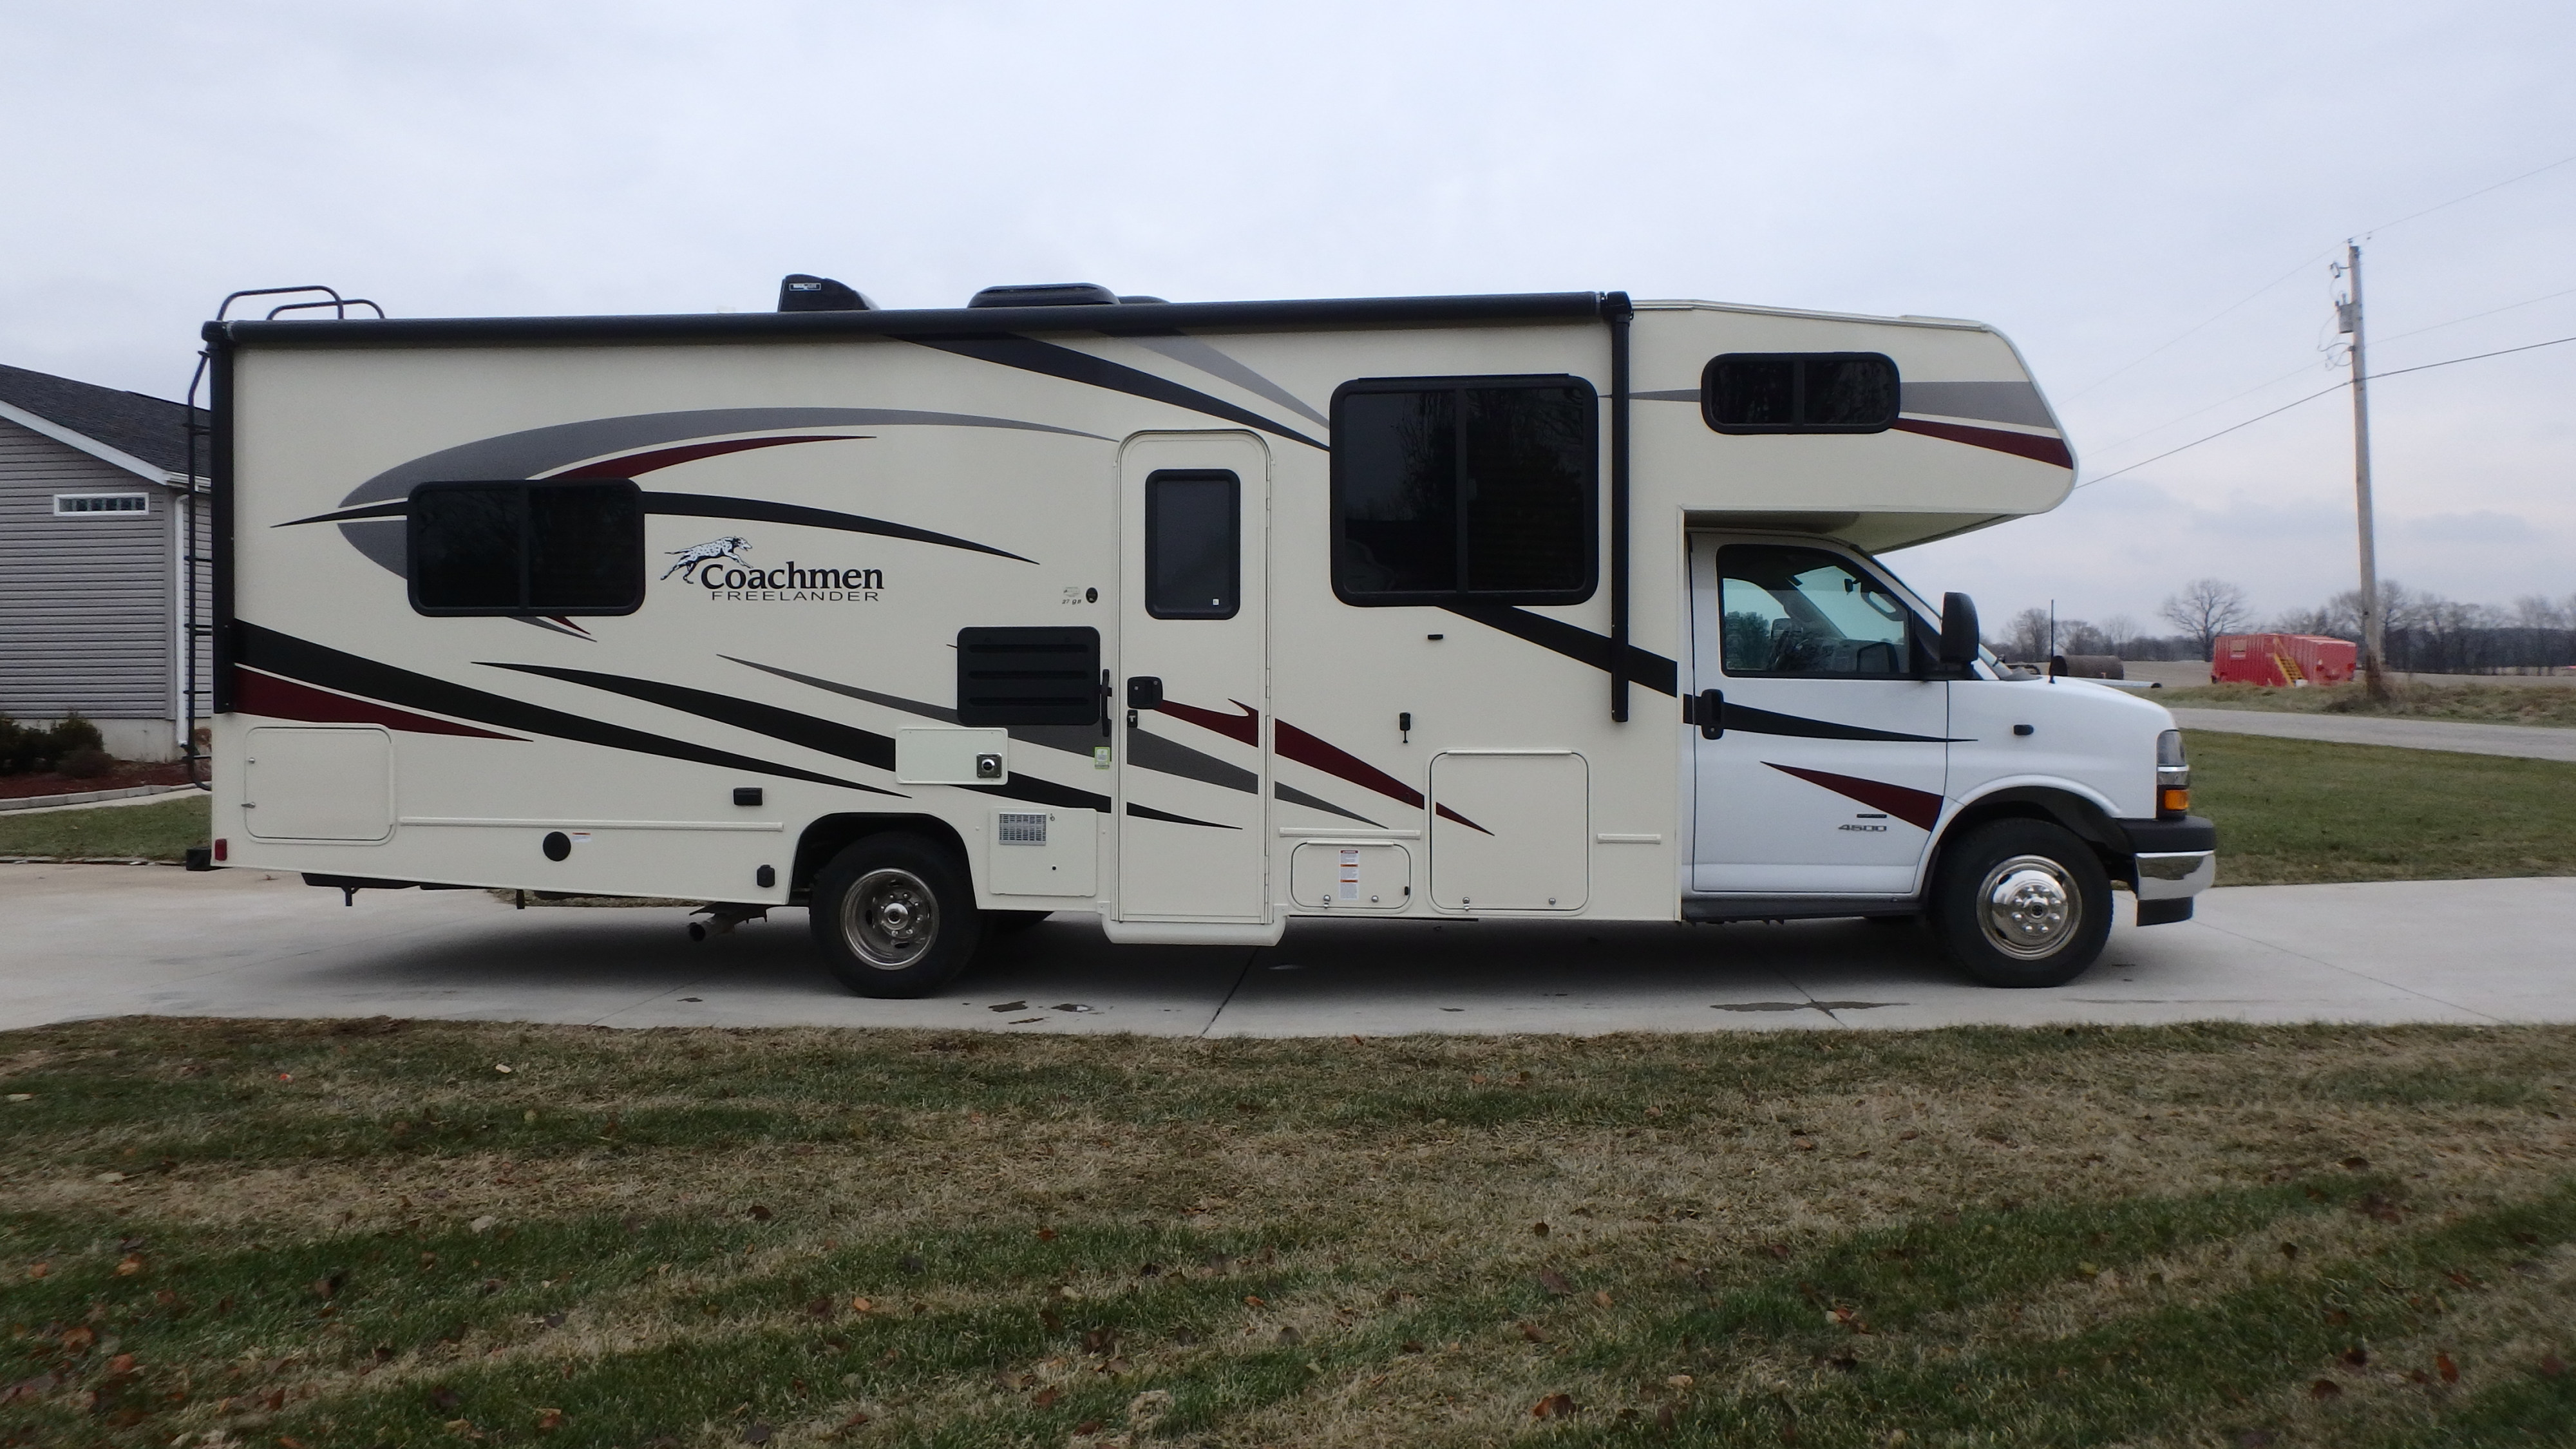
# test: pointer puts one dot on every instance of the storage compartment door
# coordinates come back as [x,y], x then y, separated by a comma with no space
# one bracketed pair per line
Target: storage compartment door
[318,783]
[1511,832]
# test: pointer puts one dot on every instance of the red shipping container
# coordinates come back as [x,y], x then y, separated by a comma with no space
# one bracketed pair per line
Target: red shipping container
[2281,659]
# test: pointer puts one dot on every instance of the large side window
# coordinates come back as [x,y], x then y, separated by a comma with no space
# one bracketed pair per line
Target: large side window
[1803,613]
[527,548]
[1799,392]
[1452,489]
[1193,544]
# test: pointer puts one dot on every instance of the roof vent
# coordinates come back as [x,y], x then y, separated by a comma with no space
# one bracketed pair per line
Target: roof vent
[1046,294]
[798,292]
[1136,301]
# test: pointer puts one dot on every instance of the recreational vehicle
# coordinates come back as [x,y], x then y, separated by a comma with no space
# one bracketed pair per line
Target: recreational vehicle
[1197,617]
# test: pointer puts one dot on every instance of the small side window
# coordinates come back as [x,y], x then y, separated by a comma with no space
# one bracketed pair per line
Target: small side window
[1193,544]
[1799,392]
[92,505]
[527,548]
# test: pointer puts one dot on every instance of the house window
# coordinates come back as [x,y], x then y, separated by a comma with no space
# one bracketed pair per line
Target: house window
[1193,544]
[1468,489]
[1799,392]
[91,505]
[527,548]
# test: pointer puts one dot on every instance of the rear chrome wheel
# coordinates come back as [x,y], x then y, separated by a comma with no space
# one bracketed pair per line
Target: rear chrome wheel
[2021,903]
[895,915]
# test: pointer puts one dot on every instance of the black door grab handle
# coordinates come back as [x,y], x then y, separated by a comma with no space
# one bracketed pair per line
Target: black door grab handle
[1144,691]
[1712,713]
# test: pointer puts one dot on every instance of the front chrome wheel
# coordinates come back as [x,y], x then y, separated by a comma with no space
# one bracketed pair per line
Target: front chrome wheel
[2029,907]
[890,917]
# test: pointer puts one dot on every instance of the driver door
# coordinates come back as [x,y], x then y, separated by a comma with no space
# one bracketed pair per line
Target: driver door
[1820,759]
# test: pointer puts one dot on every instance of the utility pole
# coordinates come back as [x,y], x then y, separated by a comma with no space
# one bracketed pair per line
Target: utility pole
[2348,321]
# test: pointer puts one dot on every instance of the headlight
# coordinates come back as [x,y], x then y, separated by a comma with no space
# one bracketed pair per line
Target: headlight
[2173,775]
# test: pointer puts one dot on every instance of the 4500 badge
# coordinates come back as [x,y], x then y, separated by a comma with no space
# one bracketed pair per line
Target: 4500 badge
[718,566]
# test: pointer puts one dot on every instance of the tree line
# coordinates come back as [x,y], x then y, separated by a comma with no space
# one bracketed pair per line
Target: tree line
[2422,631]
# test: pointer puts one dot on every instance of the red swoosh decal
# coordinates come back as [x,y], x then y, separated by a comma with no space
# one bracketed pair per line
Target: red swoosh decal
[1245,727]
[2026,445]
[257,693]
[1918,808]
[1333,760]
[631,464]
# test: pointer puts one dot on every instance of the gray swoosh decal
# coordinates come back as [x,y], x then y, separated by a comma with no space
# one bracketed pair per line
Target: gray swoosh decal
[1992,402]
[1192,352]
[538,450]
[1294,796]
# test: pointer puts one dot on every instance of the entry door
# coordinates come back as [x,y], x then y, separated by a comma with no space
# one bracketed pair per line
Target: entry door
[1193,693]
[1827,770]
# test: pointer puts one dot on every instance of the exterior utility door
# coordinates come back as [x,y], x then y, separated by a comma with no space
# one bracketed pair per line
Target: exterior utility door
[1819,759]
[1193,691]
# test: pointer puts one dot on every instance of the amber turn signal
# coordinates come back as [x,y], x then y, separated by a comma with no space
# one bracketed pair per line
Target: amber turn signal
[2175,802]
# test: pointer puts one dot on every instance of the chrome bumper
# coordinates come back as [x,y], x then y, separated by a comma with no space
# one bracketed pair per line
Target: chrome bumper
[2175,875]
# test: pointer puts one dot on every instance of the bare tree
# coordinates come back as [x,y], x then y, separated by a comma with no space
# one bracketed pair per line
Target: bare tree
[2207,608]
[2026,636]
[2306,621]
[2118,630]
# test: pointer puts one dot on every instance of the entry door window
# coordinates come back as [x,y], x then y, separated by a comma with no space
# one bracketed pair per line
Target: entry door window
[1193,544]
[1803,613]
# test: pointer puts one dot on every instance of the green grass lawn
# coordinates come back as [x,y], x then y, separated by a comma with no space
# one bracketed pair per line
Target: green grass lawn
[371,1233]
[2522,704]
[162,830]
[2293,811]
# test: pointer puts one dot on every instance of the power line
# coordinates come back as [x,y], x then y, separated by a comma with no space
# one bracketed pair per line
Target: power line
[2472,317]
[2471,196]
[2312,397]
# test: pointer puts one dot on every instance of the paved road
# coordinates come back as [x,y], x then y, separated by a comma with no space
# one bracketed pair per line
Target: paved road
[2530,742]
[91,941]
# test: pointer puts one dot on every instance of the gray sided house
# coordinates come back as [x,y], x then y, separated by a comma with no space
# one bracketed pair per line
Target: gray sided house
[94,489]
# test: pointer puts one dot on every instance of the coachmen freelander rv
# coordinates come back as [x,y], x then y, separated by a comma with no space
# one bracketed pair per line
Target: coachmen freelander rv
[1197,616]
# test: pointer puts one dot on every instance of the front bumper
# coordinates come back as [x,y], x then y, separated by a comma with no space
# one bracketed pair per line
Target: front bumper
[2171,861]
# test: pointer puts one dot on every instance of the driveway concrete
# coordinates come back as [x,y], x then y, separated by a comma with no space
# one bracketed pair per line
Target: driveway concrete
[2530,742]
[93,941]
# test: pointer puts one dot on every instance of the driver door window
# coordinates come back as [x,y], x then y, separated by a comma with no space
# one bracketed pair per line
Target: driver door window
[1803,613]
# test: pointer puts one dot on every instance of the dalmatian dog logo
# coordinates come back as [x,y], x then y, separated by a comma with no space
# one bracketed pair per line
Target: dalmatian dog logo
[712,551]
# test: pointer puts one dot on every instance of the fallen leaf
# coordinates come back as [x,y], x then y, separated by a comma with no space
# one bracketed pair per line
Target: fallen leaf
[760,1213]
[2356,1163]
[2356,1356]
[484,1224]
[1099,1340]
[2551,1365]
[1532,1332]
[861,1305]
[1680,1381]
[1009,1006]
[819,1308]
[2325,1389]
[1601,1298]
[2254,1439]
[290,1441]
[111,1177]
[1554,1406]
[130,1265]
[1555,1282]
[1087,1426]
[549,1420]
[1539,1228]
[1253,1300]
[2449,1371]
[2290,1251]
[78,1337]
[1045,1398]
[758,1433]
[39,1270]
[1289,1336]
[1664,1417]
[502,1067]
[1046,1235]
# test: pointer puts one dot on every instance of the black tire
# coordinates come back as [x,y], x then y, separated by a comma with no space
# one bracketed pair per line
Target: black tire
[2021,903]
[1011,923]
[895,916]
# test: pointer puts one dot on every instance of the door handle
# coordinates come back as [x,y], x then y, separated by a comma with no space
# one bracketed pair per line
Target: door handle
[1711,713]
[1144,691]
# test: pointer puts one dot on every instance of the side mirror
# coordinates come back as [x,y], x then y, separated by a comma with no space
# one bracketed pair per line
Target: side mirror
[1959,633]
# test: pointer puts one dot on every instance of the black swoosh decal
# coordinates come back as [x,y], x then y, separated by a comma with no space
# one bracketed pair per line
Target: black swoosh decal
[294,658]
[1148,812]
[1765,722]
[710,505]
[1009,349]
[1573,641]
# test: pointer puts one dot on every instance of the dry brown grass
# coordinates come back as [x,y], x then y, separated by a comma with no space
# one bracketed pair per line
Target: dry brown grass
[1342,1237]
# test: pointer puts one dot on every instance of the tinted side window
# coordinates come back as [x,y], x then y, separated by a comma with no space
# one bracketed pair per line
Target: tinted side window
[1806,613]
[1193,544]
[1450,489]
[1799,392]
[527,548]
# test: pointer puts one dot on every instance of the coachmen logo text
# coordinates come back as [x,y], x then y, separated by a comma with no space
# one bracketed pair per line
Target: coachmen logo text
[718,566]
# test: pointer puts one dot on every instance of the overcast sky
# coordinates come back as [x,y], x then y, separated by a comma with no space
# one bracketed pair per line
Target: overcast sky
[2093,179]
